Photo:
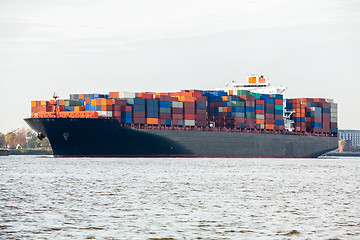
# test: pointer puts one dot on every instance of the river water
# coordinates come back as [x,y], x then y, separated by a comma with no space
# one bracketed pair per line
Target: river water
[42,197]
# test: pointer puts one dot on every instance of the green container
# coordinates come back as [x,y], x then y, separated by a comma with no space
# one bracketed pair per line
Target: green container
[243,92]
[256,95]
[278,107]
[250,114]
[237,104]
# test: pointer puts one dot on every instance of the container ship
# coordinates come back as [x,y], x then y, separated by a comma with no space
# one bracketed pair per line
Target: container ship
[241,120]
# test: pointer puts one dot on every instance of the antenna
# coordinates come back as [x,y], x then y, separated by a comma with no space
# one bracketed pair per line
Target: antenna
[56,109]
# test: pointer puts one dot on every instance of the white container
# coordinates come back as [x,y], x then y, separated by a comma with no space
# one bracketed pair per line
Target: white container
[189,122]
[177,104]
[124,94]
[108,113]
[260,116]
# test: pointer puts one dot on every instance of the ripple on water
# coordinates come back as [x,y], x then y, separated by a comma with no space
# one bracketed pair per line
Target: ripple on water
[179,198]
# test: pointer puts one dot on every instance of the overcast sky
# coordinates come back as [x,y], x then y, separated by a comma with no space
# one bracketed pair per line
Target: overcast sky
[93,46]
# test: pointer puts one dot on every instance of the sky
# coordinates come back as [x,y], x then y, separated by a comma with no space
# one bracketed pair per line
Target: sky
[94,46]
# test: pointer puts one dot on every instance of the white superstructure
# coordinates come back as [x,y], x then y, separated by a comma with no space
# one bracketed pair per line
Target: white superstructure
[256,84]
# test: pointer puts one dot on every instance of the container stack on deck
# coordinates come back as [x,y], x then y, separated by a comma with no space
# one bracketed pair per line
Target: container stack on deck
[238,109]
[313,114]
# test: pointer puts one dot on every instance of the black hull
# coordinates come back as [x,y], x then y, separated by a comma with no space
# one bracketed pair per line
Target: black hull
[76,137]
[4,152]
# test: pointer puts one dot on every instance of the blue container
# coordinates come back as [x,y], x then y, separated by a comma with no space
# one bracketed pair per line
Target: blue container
[226,104]
[126,120]
[164,104]
[279,122]
[233,98]
[315,124]
[140,108]
[126,114]
[311,104]
[98,107]
[238,114]
[152,114]
[92,108]
[289,105]
[152,108]
[237,109]
[326,110]
[152,102]
[88,107]
[277,96]
[250,109]
[261,107]
[180,122]
[269,110]
[264,96]
[215,99]
[334,130]
[200,105]
[269,100]
[278,112]
[139,101]
[168,121]
[164,110]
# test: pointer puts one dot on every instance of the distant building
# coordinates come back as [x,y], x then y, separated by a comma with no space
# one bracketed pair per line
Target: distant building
[352,136]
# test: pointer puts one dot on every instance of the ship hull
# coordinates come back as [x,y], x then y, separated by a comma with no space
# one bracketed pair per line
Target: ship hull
[76,137]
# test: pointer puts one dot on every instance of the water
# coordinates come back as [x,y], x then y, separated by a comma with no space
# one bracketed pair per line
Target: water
[53,198]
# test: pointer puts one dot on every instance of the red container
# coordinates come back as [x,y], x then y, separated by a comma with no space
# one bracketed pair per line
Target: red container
[270,116]
[189,105]
[165,115]
[278,102]
[201,123]
[116,113]
[189,110]
[177,116]
[239,120]
[139,120]
[201,111]
[177,110]
[269,105]
[270,121]
[247,98]
[202,99]
[120,102]
[259,111]
[250,103]
[259,102]
[165,98]
[201,117]
[333,125]
[117,107]
[189,116]
[138,114]
[145,95]
[126,108]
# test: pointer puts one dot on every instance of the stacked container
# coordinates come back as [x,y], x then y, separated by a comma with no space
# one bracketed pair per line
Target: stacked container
[152,111]
[165,110]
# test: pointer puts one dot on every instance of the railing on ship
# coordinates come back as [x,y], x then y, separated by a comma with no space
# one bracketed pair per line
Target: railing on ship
[224,129]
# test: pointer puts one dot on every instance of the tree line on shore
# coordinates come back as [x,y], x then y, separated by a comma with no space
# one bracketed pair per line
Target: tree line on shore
[23,138]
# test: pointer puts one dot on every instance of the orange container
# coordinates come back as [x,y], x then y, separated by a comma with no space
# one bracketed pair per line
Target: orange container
[152,121]
[269,126]
[33,103]
[87,100]
[114,94]
[93,102]
[81,96]
[224,98]
[260,121]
